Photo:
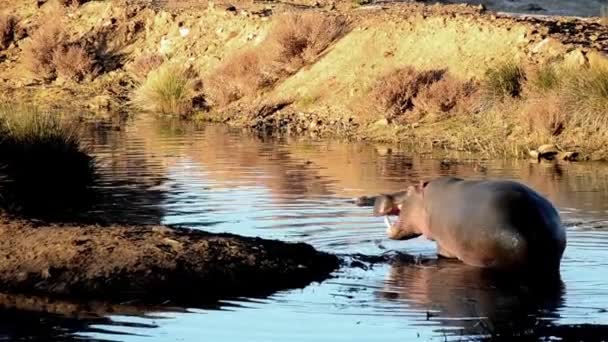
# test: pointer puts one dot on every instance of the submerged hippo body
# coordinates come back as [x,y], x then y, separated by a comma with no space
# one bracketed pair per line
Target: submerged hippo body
[487,223]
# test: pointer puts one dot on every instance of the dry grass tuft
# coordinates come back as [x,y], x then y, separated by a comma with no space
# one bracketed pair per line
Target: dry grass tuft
[170,89]
[396,91]
[543,79]
[8,24]
[446,97]
[586,93]
[144,64]
[503,81]
[299,38]
[73,63]
[294,40]
[244,74]
[546,115]
[38,53]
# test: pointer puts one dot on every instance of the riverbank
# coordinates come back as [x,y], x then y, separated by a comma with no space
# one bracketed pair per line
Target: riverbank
[451,77]
[150,264]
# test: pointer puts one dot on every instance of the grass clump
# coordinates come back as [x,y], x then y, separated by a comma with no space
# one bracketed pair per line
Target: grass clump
[544,78]
[503,81]
[43,166]
[446,97]
[546,115]
[8,24]
[293,41]
[170,89]
[38,53]
[586,92]
[73,63]
[299,38]
[395,92]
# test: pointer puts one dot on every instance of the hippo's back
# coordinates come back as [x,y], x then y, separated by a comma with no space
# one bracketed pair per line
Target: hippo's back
[494,222]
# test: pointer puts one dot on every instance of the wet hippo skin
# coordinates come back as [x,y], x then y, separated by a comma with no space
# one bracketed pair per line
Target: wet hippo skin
[497,224]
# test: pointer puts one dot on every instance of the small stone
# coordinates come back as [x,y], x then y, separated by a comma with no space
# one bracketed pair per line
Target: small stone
[382,122]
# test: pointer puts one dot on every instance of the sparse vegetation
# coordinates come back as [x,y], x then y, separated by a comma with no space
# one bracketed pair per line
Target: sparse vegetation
[546,115]
[299,38]
[170,89]
[503,81]
[446,97]
[38,53]
[395,92]
[544,78]
[43,166]
[144,64]
[294,40]
[73,63]
[8,24]
[586,93]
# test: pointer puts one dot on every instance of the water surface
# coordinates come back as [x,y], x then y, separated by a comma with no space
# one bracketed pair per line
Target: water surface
[222,180]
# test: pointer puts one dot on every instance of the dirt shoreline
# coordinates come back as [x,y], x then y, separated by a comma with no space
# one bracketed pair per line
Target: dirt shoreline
[326,98]
[150,264]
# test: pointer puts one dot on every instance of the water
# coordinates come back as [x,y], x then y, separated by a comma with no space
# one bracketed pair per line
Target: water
[581,8]
[222,180]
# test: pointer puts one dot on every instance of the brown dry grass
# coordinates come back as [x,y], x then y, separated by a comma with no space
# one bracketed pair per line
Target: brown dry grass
[294,40]
[446,97]
[244,74]
[546,115]
[8,24]
[395,92]
[144,64]
[299,38]
[38,53]
[73,63]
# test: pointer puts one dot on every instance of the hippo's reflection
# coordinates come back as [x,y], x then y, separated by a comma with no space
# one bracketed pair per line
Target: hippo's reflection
[473,301]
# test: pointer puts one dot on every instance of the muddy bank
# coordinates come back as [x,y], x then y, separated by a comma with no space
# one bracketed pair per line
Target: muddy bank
[150,264]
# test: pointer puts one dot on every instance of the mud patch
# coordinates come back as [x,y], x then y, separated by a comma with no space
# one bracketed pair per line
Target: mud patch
[150,264]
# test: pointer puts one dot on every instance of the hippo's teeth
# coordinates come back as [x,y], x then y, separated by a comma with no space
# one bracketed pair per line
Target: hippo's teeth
[387,221]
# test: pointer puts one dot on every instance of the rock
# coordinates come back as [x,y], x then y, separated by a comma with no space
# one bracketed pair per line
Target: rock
[549,47]
[381,123]
[184,31]
[547,151]
[569,156]
[575,58]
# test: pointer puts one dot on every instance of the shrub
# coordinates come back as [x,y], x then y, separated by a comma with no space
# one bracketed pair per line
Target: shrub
[8,24]
[544,78]
[169,89]
[395,92]
[44,167]
[144,64]
[448,96]
[300,38]
[73,63]
[242,75]
[586,91]
[546,114]
[503,81]
[38,53]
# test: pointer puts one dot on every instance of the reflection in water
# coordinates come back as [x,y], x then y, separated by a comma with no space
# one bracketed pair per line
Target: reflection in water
[470,301]
[225,180]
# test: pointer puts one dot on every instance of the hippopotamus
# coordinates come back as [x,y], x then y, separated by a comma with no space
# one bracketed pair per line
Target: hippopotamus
[494,224]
